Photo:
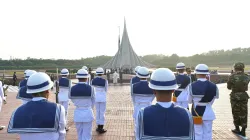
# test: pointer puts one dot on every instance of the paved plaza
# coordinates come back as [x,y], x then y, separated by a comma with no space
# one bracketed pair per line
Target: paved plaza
[119,121]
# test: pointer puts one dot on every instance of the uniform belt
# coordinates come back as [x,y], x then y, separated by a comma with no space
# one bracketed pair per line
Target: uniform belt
[201,104]
[83,107]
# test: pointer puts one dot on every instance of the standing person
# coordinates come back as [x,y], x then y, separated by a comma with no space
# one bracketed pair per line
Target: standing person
[238,83]
[190,75]
[83,97]
[14,79]
[164,120]
[22,93]
[90,74]
[108,75]
[202,94]
[135,79]
[52,79]
[120,75]
[63,94]
[142,95]
[2,98]
[208,77]
[115,77]
[180,96]
[39,119]
[101,87]
[24,81]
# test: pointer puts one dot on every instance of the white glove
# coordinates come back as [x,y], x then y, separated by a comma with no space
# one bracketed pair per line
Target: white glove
[4,98]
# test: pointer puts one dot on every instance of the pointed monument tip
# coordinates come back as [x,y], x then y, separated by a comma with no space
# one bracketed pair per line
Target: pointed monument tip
[124,22]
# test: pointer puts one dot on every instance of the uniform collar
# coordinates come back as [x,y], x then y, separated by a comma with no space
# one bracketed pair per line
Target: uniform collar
[181,73]
[82,82]
[165,104]
[202,79]
[38,98]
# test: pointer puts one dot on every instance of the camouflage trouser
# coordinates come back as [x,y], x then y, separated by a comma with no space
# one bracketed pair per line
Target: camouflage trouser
[239,108]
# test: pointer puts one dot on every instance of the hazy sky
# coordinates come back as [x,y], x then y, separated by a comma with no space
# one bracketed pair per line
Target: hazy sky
[75,29]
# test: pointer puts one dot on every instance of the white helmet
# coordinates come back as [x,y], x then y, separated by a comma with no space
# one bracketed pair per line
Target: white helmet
[29,73]
[99,71]
[180,66]
[137,68]
[143,72]
[82,73]
[201,69]
[38,82]
[85,67]
[25,72]
[64,72]
[163,79]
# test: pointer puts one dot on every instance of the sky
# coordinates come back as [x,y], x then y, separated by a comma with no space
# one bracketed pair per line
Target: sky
[83,28]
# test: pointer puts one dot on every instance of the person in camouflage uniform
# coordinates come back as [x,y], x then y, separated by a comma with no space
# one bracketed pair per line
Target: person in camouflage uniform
[238,83]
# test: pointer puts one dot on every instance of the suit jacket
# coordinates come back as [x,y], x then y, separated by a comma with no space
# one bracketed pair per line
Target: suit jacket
[193,77]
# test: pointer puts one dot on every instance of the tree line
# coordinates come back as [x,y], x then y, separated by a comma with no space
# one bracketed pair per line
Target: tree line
[211,58]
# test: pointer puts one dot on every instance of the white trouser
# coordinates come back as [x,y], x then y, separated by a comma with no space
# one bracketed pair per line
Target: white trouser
[65,104]
[100,112]
[1,103]
[137,108]
[114,80]
[84,130]
[182,104]
[203,131]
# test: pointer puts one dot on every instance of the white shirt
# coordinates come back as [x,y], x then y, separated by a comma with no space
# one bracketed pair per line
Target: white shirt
[84,108]
[183,97]
[165,104]
[137,98]
[209,113]
[1,92]
[63,94]
[115,75]
[101,93]
[60,135]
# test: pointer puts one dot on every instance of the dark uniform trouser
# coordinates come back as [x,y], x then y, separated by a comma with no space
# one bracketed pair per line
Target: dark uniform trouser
[239,108]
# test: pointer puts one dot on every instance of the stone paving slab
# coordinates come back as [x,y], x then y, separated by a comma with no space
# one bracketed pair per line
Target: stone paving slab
[119,121]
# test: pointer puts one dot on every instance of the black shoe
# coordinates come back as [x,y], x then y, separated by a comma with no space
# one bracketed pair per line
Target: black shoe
[236,130]
[67,128]
[2,127]
[243,131]
[98,128]
[101,131]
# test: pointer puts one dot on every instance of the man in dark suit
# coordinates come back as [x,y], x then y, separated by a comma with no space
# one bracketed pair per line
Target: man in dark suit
[190,75]
[14,79]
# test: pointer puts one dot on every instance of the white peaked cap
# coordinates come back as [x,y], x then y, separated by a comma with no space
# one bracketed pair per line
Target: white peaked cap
[99,71]
[180,66]
[201,69]
[39,82]
[29,73]
[137,68]
[85,67]
[163,79]
[82,73]
[64,72]
[143,72]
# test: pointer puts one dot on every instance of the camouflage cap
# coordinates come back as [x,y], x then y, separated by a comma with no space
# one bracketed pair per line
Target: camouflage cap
[239,65]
